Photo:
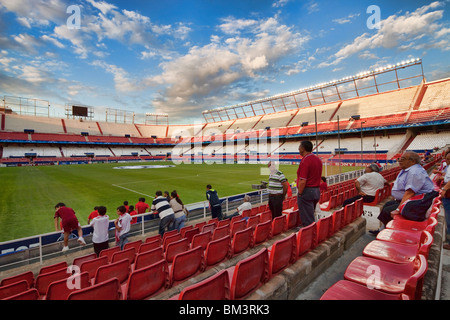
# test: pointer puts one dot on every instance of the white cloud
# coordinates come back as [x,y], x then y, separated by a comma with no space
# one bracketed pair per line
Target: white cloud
[121,78]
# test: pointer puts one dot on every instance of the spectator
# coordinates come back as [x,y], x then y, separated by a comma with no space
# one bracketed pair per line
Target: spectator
[122,224]
[167,196]
[445,193]
[92,215]
[132,213]
[214,202]
[367,185]
[309,177]
[323,184]
[277,188]
[100,224]
[246,205]
[142,207]
[165,211]
[412,181]
[69,222]
[178,209]
[125,204]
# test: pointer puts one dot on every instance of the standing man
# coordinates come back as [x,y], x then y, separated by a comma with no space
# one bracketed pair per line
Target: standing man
[68,224]
[214,202]
[165,211]
[309,177]
[277,187]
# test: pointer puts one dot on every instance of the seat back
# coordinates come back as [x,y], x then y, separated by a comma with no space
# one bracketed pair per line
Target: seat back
[79,260]
[242,240]
[186,264]
[338,217]
[324,226]
[217,250]
[306,239]
[148,281]
[13,289]
[148,246]
[265,216]
[262,232]
[91,266]
[107,290]
[119,270]
[28,276]
[175,248]
[249,274]
[172,238]
[221,232]
[253,221]
[30,294]
[53,267]
[209,227]
[282,253]
[348,213]
[147,258]
[136,244]
[60,290]
[293,219]
[201,240]
[109,252]
[237,226]
[278,225]
[153,238]
[425,243]
[129,254]
[414,285]
[359,208]
[216,287]
[189,234]
[44,280]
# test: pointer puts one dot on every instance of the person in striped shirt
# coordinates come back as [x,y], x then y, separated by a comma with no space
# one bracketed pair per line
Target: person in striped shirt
[277,188]
[165,211]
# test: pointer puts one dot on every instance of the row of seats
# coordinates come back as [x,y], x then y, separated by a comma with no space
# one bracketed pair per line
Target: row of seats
[241,280]
[393,266]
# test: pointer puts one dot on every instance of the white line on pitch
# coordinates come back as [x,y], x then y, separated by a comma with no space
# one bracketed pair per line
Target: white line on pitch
[115,185]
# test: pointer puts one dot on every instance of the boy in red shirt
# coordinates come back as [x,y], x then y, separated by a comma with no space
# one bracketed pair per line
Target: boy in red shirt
[69,223]
[142,206]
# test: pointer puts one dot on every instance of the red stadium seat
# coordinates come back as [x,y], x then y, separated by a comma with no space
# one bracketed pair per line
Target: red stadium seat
[217,251]
[28,276]
[348,290]
[242,240]
[216,287]
[324,228]
[249,274]
[359,208]
[168,234]
[107,290]
[79,260]
[262,232]
[331,204]
[189,234]
[13,289]
[338,218]
[377,198]
[209,227]
[129,254]
[148,246]
[92,265]
[119,270]
[44,280]
[237,226]
[282,253]
[293,219]
[265,216]
[30,294]
[153,238]
[349,213]
[136,244]
[279,225]
[59,290]
[53,267]
[186,264]
[398,253]
[389,277]
[147,258]
[148,281]
[171,238]
[252,222]
[221,232]
[109,252]
[400,236]
[201,239]
[306,239]
[175,248]
[409,225]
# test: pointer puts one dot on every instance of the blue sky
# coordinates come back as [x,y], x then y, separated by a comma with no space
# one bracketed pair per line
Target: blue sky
[183,57]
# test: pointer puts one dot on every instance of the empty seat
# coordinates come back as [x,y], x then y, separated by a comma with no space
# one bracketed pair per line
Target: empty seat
[209,227]
[348,290]
[405,224]
[262,232]
[390,277]
[44,280]
[129,254]
[60,290]
[252,221]
[216,287]
[119,270]
[282,253]
[28,276]
[331,204]
[79,260]
[359,208]
[189,234]
[338,217]
[265,216]
[147,281]
[242,240]
[249,274]
[53,267]
[324,228]
[30,294]
[221,232]
[148,246]
[201,239]
[278,225]
[170,239]
[186,264]
[217,251]
[92,265]
[400,236]
[109,252]
[175,248]
[153,238]
[147,258]
[136,244]
[349,213]
[13,289]
[237,226]
[107,290]
[293,219]
[306,239]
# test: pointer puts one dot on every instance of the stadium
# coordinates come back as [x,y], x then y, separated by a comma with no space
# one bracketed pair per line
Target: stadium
[372,117]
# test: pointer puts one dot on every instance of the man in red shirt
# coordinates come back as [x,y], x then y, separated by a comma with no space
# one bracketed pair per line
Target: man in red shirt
[69,223]
[309,177]
[142,207]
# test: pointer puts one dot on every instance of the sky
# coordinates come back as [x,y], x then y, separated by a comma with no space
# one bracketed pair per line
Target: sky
[183,57]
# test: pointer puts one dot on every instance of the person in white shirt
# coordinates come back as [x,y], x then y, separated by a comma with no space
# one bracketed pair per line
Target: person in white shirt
[367,185]
[246,205]
[100,224]
[122,223]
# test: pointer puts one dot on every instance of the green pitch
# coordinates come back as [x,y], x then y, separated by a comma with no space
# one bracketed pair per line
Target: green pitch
[28,194]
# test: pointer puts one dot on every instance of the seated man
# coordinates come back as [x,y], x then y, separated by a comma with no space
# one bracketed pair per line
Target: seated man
[246,205]
[413,180]
[367,185]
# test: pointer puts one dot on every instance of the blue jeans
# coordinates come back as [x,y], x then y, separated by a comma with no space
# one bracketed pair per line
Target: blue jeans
[179,222]
[446,205]
[166,222]
[307,202]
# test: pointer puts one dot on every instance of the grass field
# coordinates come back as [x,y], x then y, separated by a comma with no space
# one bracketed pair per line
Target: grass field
[28,194]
